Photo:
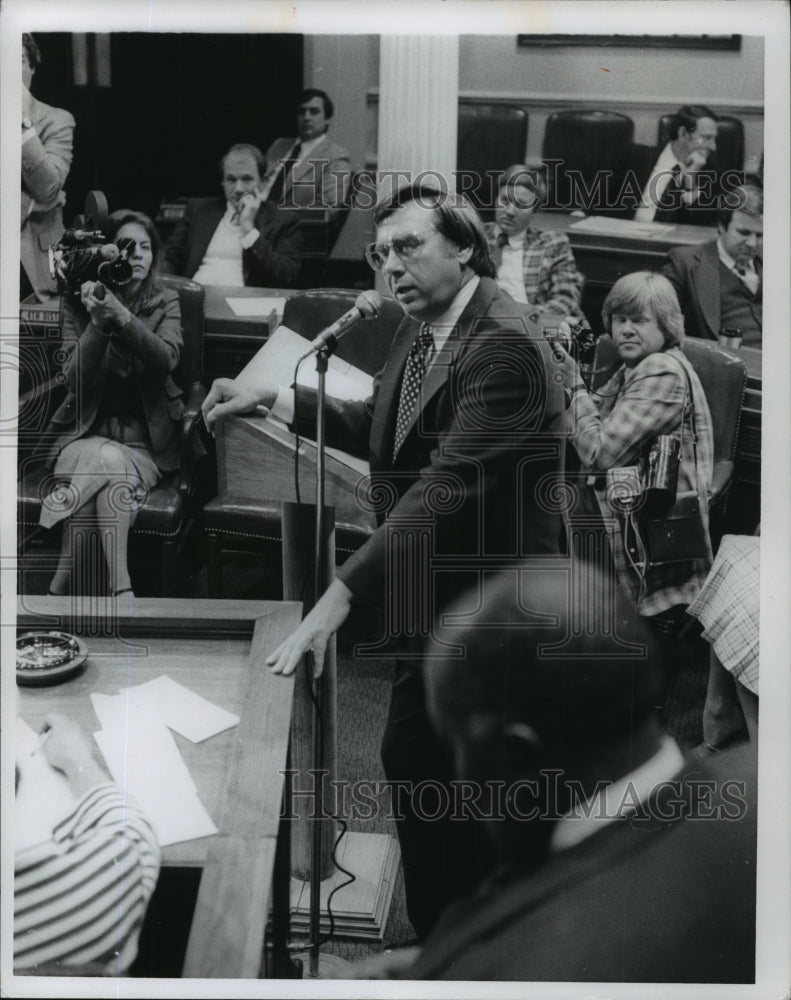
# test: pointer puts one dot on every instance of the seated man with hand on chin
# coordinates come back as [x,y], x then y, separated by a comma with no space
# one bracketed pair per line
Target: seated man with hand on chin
[239,239]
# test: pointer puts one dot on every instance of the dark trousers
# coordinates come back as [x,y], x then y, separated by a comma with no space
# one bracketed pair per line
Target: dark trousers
[443,856]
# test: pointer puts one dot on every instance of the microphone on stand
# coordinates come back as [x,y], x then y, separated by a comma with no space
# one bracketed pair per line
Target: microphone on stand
[367,306]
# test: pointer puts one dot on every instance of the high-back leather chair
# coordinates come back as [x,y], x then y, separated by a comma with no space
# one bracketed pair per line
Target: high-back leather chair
[593,150]
[167,520]
[730,141]
[240,526]
[723,376]
[490,138]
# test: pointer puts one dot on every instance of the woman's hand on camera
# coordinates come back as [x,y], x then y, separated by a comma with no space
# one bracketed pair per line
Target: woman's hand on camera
[565,365]
[102,305]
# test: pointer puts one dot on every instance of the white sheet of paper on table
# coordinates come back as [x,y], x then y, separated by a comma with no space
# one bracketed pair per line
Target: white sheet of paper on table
[143,757]
[145,761]
[43,797]
[258,306]
[188,713]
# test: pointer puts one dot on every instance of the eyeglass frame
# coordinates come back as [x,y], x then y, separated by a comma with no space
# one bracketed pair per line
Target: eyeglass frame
[405,252]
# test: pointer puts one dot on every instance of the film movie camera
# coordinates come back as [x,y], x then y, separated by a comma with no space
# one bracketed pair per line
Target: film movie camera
[83,253]
[579,341]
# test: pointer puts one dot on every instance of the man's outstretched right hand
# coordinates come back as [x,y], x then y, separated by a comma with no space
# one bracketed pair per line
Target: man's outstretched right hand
[226,396]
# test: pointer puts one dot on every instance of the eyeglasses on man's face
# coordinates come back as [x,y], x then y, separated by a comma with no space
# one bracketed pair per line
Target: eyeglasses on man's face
[405,247]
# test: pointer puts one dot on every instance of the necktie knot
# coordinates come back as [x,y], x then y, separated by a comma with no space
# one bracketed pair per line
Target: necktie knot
[502,239]
[426,336]
[741,271]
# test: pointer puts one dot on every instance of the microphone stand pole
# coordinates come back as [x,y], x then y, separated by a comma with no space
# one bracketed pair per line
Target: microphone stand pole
[322,358]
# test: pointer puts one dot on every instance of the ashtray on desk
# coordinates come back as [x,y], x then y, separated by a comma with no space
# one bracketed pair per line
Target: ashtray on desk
[48,657]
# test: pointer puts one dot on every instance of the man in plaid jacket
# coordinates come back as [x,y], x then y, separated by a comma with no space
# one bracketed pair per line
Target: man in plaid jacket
[532,266]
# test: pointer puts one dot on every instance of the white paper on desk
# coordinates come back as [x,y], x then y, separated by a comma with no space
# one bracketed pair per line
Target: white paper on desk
[274,364]
[621,227]
[154,773]
[257,306]
[140,748]
[190,714]
[43,797]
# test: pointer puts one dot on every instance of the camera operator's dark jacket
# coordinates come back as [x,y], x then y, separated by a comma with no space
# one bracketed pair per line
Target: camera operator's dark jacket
[150,345]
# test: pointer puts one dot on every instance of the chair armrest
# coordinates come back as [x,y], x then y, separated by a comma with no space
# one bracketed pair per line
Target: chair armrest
[721,480]
[190,426]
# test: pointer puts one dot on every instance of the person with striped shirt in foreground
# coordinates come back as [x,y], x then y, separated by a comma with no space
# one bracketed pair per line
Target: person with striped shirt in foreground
[81,896]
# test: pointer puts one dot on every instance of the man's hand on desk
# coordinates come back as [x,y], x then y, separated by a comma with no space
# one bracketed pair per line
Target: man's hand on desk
[225,397]
[313,633]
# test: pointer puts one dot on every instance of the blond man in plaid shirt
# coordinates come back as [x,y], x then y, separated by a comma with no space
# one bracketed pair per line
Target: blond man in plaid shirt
[534,267]
[614,427]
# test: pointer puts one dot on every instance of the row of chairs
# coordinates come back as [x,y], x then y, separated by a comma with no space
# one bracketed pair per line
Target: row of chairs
[492,136]
[180,506]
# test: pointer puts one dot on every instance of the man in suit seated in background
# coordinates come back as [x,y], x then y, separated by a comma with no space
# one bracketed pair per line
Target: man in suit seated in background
[239,239]
[534,267]
[47,137]
[309,170]
[720,284]
[620,861]
[677,190]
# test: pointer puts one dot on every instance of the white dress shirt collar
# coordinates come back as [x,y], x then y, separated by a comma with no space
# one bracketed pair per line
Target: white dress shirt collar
[307,147]
[729,262]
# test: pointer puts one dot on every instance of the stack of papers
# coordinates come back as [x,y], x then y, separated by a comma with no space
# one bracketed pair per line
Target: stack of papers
[142,756]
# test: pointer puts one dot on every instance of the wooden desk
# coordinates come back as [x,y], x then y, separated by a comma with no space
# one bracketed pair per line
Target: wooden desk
[603,257]
[215,648]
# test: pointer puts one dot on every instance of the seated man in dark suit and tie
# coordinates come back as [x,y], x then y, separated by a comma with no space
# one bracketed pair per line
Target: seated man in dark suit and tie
[620,860]
[534,267]
[720,284]
[680,188]
[458,434]
[239,239]
[309,170]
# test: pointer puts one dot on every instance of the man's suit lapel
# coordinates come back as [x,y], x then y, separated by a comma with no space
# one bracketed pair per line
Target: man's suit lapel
[206,221]
[306,167]
[383,427]
[706,279]
[442,364]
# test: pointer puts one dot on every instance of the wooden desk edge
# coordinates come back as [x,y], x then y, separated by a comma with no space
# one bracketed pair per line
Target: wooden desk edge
[228,927]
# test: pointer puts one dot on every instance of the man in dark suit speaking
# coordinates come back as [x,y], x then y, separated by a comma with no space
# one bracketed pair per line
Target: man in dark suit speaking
[458,436]
[238,239]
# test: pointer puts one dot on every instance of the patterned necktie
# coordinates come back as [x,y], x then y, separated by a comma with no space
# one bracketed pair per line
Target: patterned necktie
[415,369]
[279,183]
